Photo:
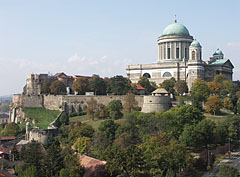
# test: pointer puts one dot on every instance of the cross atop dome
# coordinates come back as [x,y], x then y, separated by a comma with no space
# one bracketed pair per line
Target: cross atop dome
[175,18]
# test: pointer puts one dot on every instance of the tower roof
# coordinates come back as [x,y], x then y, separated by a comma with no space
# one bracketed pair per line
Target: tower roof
[195,43]
[218,52]
[175,29]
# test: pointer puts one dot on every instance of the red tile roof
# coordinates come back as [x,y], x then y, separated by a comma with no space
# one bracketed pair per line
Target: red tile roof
[139,87]
[7,138]
[88,162]
[3,175]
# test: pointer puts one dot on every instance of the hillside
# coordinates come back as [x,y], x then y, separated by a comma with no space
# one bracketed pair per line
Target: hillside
[41,116]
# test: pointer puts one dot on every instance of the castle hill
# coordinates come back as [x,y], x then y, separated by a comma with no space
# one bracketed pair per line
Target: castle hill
[175,116]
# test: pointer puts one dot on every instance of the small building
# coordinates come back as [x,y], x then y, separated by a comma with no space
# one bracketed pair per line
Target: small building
[4,118]
[140,90]
[159,100]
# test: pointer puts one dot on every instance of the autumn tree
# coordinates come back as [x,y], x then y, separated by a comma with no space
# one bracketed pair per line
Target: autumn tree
[227,104]
[58,88]
[181,87]
[145,83]
[129,103]
[97,85]
[91,108]
[81,144]
[81,85]
[199,92]
[214,87]
[213,105]
[118,85]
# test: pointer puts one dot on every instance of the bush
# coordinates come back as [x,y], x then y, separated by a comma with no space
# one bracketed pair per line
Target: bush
[228,171]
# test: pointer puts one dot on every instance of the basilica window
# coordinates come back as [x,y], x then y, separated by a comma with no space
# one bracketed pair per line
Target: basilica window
[177,52]
[167,74]
[193,55]
[169,51]
[147,75]
[186,53]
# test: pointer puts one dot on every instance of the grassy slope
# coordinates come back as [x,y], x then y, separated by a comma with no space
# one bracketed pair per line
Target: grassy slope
[219,118]
[41,116]
[94,123]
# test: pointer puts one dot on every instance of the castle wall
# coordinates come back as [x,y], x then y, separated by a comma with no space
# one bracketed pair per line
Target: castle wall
[32,101]
[52,102]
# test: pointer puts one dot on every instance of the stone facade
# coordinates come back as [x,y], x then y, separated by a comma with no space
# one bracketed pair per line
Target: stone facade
[180,56]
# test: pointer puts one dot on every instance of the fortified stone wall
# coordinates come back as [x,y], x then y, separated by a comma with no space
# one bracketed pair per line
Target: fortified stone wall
[154,103]
[32,101]
[52,102]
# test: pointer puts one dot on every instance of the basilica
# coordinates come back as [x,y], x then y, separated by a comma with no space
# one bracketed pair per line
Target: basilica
[180,56]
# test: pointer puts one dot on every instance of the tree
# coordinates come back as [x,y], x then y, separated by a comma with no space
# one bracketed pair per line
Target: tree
[80,131]
[199,92]
[91,108]
[228,171]
[81,85]
[126,162]
[169,85]
[53,159]
[177,118]
[32,154]
[11,129]
[129,103]
[214,87]
[181,87]
[205,130]
[81,144]
[97,85]
[145,83]
[213,105]
[227,104]
[58,88]
[109,127]
[118,85]
[114,108]
[46,86]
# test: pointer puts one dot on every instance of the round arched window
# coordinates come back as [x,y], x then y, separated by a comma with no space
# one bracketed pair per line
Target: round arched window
[167,74]
[147,75]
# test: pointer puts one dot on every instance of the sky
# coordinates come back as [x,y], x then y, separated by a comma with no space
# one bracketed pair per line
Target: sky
[86,37]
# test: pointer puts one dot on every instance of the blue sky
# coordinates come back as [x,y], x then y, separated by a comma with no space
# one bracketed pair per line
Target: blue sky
[103,37]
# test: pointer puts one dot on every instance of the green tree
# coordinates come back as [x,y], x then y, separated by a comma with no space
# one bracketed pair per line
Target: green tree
[97,85]
[228,171]
[199,92]
[80,131]
[145,83]
[169,85]
[129,103]
[58,88]
[181,87]
[31,171]
[118,85]
[91,108]
[53,160]
[114,108]
[205,130]
[127,162]
[213,105]
[46,86]
[32,154]
[109,127]
[177,118]
[81,144]
[81,85]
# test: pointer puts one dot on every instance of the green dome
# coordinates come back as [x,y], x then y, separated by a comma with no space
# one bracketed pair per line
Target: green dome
[218,52]
[175,29]
[195,44]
